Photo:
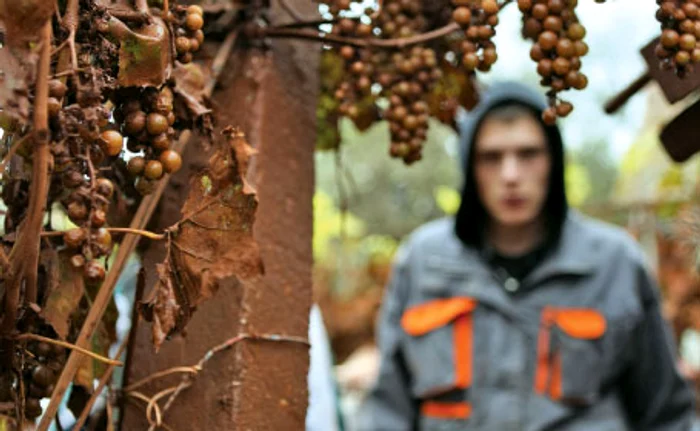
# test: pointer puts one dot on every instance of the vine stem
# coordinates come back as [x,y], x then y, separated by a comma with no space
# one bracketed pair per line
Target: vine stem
[69,346]
[96,393]
[186,380]
[293,33]
[143,233]
[71,22]
[24,256]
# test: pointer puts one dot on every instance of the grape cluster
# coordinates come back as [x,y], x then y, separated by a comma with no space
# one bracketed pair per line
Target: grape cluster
[188,35]
[406,77]
[146,117]
[557,49]
[408,111]
[357,84]
[83,141]
[401,18]
[678,48]
[478,20]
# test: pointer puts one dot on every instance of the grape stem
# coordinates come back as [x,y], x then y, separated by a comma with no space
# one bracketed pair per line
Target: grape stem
[291,33]
[106,377]
[69,346]
[70,20]
[144,233]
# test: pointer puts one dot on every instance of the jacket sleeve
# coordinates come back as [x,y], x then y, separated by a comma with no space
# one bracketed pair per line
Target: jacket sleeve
[389,405]
[655,395]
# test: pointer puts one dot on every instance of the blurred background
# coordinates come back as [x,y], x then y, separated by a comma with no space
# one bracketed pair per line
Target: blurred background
[617,170]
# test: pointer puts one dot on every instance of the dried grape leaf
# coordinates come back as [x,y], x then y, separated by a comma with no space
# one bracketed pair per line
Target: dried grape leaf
[16,73]
[190,82]
[214,241]
[144,54]
[66,288]
[190,98]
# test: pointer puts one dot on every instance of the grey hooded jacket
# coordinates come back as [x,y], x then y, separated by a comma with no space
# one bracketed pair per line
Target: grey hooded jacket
[579,344]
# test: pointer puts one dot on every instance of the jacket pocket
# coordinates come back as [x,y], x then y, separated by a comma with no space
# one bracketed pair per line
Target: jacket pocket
[438,349]
[570,359]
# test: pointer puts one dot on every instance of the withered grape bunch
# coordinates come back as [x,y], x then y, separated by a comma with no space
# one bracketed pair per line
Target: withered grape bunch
[146,117]
[85,139]
[558,48]
[357,83]
[188,34]
[408,112]
[678,48]
[478,20]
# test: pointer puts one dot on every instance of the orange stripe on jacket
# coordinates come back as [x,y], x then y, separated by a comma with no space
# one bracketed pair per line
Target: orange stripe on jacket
[423,318]
[439,410]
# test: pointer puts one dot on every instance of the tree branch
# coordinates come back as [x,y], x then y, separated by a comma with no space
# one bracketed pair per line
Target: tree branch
[291,33]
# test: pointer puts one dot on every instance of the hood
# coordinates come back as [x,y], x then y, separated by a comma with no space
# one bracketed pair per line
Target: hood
[471,217]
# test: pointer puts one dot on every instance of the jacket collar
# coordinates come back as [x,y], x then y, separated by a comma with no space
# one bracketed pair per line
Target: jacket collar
[573,255]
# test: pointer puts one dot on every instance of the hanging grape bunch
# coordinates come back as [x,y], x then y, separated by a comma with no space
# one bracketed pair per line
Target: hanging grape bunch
[408,77]
[188,34]
[146,118]
[678,48]
[84,141]
[357,83]
[558,48]
[478,20]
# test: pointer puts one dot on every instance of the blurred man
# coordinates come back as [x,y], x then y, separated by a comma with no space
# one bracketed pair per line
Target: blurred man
[520,314]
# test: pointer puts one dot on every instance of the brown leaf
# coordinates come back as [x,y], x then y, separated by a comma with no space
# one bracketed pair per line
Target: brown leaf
[190,97]
[144,54]
[214,241]
[66,288]
[190,81]
[16,68]
[163,310]
[23,19]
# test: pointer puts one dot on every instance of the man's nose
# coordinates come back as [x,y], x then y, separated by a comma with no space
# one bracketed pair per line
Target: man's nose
[510,169]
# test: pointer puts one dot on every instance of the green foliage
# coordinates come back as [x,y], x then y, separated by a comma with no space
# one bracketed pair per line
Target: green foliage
[330,225]
[447,199]
[391,198]
[602,172]
[577,182]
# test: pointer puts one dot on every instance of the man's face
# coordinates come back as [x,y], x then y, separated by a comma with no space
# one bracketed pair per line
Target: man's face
[511,167]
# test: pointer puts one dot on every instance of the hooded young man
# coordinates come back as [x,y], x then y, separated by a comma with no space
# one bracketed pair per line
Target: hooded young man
[519,314]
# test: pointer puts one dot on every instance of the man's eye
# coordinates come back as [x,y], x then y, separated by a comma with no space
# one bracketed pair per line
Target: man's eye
[530,153]
[489,157]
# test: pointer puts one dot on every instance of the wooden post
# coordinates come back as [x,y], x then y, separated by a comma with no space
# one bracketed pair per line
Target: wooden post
[256,385]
